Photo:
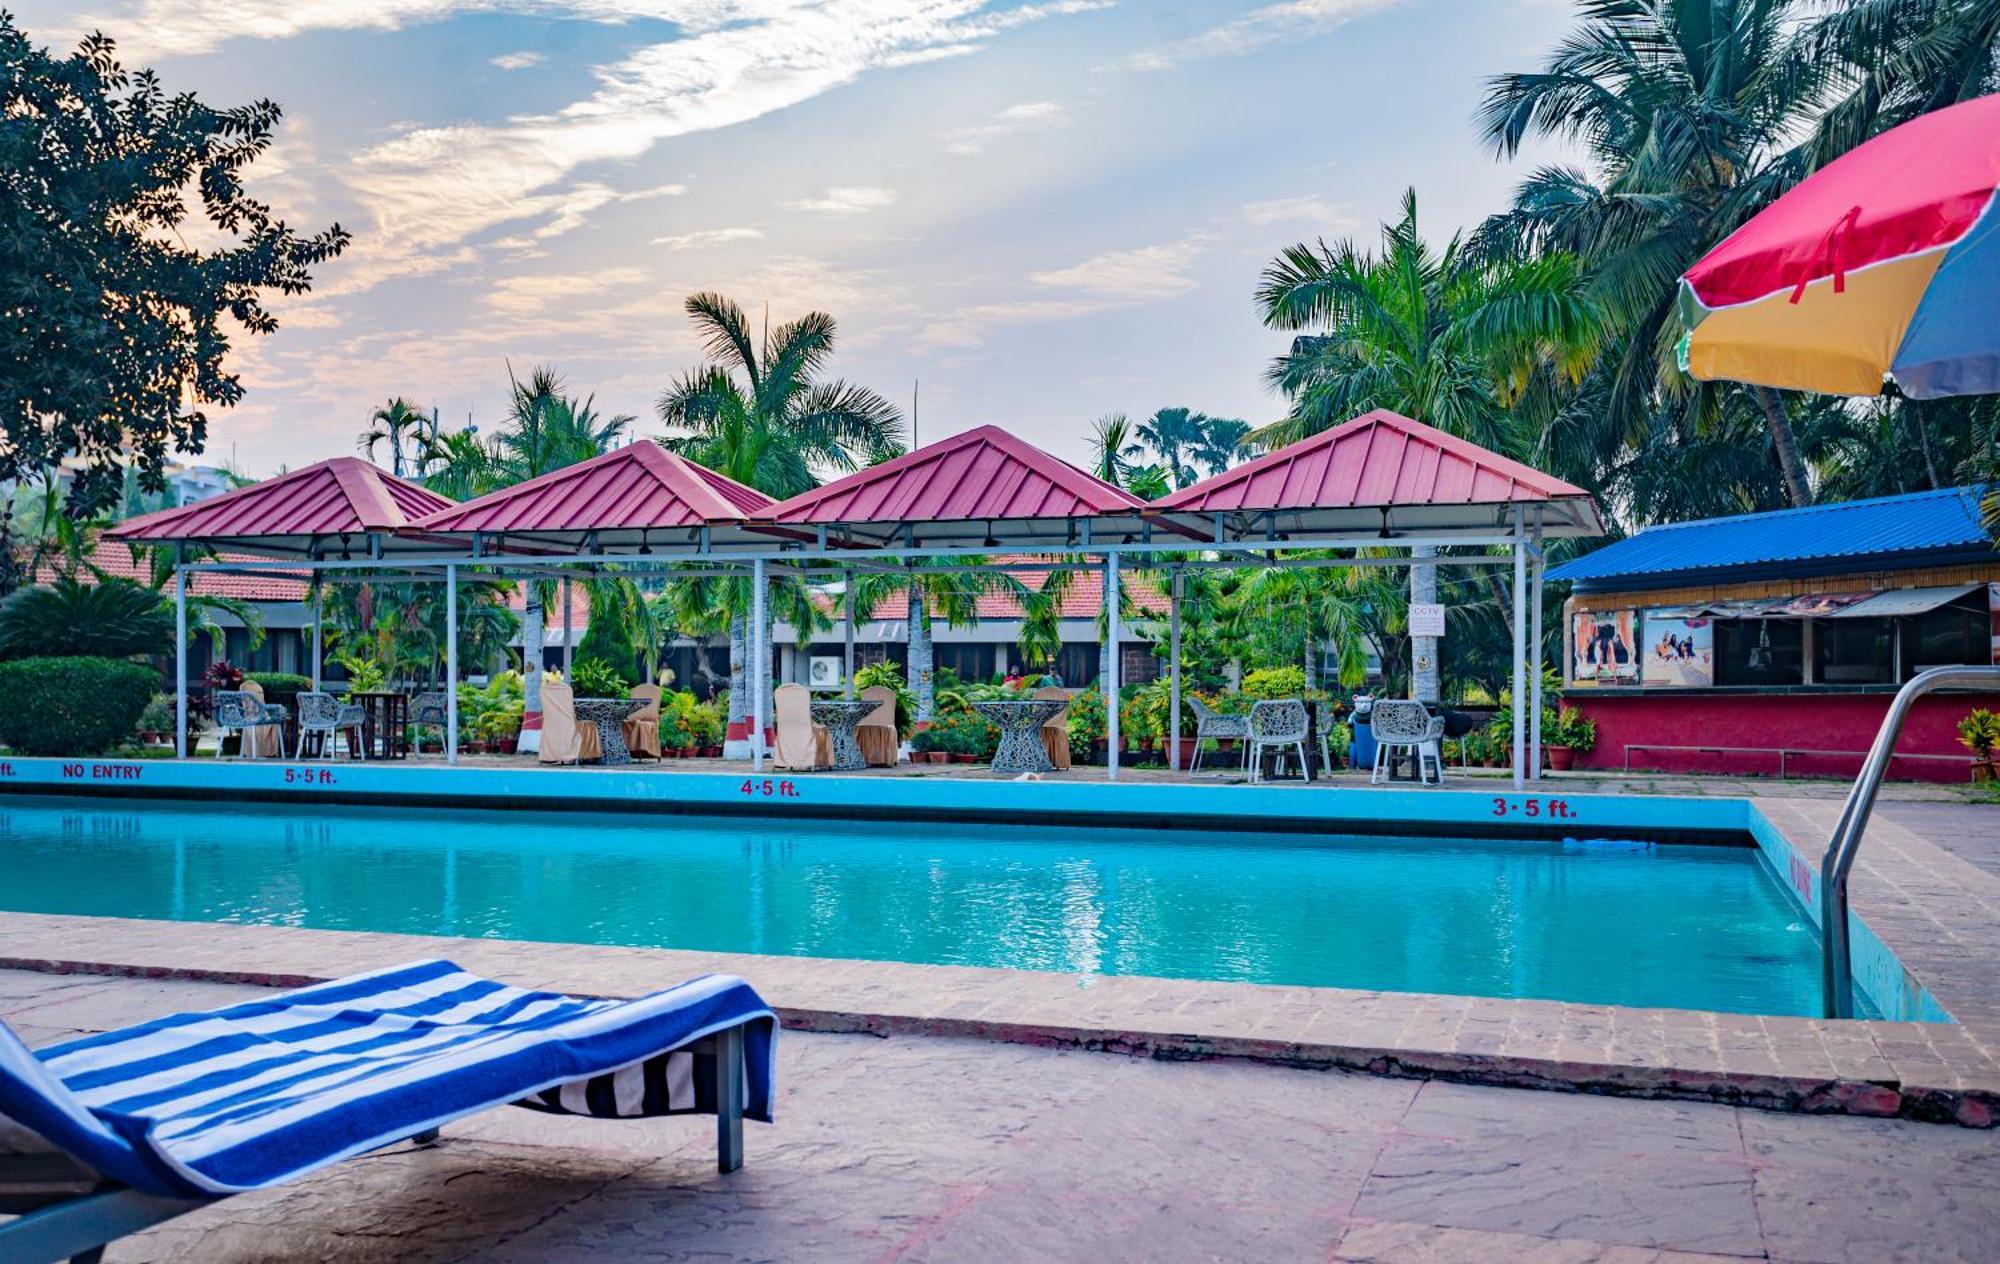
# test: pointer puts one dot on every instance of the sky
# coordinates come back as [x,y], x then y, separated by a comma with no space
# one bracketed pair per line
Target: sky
[1041,211]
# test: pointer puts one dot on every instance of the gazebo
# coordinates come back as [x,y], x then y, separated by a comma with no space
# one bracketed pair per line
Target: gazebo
[1378,483]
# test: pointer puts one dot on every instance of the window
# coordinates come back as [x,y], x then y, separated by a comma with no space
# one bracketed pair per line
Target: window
[1138,665]
[1759,652]
[1948,636]
[971,662]
[1854,652]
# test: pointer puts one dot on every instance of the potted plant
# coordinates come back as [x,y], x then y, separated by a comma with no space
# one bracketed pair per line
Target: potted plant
[595,678]
[1086,725]
[1979,732]
[1572,734]
[926,745]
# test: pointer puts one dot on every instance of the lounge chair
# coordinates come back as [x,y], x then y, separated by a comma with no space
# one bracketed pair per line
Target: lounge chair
[880,742]
[802,746]
[111,1134]
[642,727]
[1055,729]
[564,741]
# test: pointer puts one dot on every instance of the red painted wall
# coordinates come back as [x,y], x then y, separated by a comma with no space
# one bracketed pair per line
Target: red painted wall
[1797,722]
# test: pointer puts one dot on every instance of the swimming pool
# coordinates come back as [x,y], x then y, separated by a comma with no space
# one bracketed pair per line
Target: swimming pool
[1701,927]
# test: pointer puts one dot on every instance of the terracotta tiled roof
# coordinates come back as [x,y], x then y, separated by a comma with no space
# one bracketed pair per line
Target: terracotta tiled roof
[115,560]
[1085,596]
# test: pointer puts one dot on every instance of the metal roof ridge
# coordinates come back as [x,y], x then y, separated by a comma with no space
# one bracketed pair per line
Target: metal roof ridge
[1960,491]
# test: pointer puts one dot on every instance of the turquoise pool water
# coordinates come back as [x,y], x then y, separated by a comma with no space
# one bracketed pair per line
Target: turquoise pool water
[1688,926]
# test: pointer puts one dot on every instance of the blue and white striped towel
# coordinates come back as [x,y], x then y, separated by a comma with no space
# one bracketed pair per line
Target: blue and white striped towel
[260,1093]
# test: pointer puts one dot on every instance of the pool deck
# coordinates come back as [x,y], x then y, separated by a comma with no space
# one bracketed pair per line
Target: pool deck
[916,1149]
[1937,912]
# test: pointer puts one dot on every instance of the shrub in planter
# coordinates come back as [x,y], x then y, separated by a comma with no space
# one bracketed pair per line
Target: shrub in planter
[1267,683]
[73,706]
[595,678]
[156,722]
[928,745]
[1979,732]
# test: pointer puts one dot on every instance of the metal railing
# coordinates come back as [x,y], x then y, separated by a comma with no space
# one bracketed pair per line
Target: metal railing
[1782,752]
[1836,960]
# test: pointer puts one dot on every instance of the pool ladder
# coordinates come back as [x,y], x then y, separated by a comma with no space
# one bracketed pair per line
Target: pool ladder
[1836,958]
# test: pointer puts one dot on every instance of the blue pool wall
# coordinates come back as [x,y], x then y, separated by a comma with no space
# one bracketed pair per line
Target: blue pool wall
[1501,812]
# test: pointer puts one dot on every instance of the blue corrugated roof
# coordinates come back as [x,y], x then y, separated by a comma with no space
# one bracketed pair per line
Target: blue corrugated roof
[1924,528]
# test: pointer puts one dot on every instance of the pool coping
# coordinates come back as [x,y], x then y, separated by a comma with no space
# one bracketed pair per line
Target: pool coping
[1939,1072]
[1938,920]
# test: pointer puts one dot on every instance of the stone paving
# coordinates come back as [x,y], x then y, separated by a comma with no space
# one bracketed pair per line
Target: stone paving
[909,1149]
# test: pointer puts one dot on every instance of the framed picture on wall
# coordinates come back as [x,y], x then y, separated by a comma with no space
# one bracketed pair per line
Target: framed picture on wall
[1603,648]
[1677,651]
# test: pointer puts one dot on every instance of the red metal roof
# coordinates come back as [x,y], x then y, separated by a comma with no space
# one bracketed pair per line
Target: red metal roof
[1083,601]
[1379,459]
[982,474]
[637,486]
[116,561]
[342,496]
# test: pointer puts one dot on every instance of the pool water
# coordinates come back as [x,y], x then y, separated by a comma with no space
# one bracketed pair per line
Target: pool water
[1698,927]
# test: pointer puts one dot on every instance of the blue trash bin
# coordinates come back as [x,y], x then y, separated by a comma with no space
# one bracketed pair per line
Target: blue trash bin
[1361,751]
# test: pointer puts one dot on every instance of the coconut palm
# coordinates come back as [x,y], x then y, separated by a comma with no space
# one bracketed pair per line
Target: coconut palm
[758,413]
[1447,336]
[396,423]
[1223,442]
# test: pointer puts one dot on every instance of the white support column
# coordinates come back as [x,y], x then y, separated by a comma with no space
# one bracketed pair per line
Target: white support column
[1111,664]
[180,660]
[1520,716]
[847,600]
[568,636]
[1536,565]
[450,664]
[759,666]
[319,601]
[1174,673]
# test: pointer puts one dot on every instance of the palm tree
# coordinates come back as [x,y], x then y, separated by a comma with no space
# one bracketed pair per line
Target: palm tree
[1173,434]
[392,423]
[927,595]
[1446,336]
[1223,442]
[1695,115]
[757,413]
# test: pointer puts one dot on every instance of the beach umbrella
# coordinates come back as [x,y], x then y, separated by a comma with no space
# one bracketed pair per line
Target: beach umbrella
[1882,267]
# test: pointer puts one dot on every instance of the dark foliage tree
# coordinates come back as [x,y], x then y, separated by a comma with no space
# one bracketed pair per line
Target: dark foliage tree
[113,342]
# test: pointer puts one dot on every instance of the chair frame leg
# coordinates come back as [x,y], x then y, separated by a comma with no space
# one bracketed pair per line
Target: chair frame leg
[729,1100]
[80,1228]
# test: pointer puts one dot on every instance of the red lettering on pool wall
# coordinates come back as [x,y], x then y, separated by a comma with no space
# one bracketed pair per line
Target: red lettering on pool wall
[116,772]
[309,777]
[72,770]
[768,789]
[1533,807]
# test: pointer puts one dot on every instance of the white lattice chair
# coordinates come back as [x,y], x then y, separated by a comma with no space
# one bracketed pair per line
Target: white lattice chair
[1279,723]
[1407,726]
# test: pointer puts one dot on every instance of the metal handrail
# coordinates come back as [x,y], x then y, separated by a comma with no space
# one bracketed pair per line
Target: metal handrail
[1836,960]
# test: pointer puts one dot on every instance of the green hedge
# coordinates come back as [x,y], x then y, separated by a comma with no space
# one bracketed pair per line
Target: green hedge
[72,706]
[279,682]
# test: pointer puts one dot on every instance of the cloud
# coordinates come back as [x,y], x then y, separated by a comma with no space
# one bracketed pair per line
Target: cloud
[708,237]
[1028,116]
[1114,281]
[1294,19]
[519,61]
[431,189]
[852,199]
[1295,209]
